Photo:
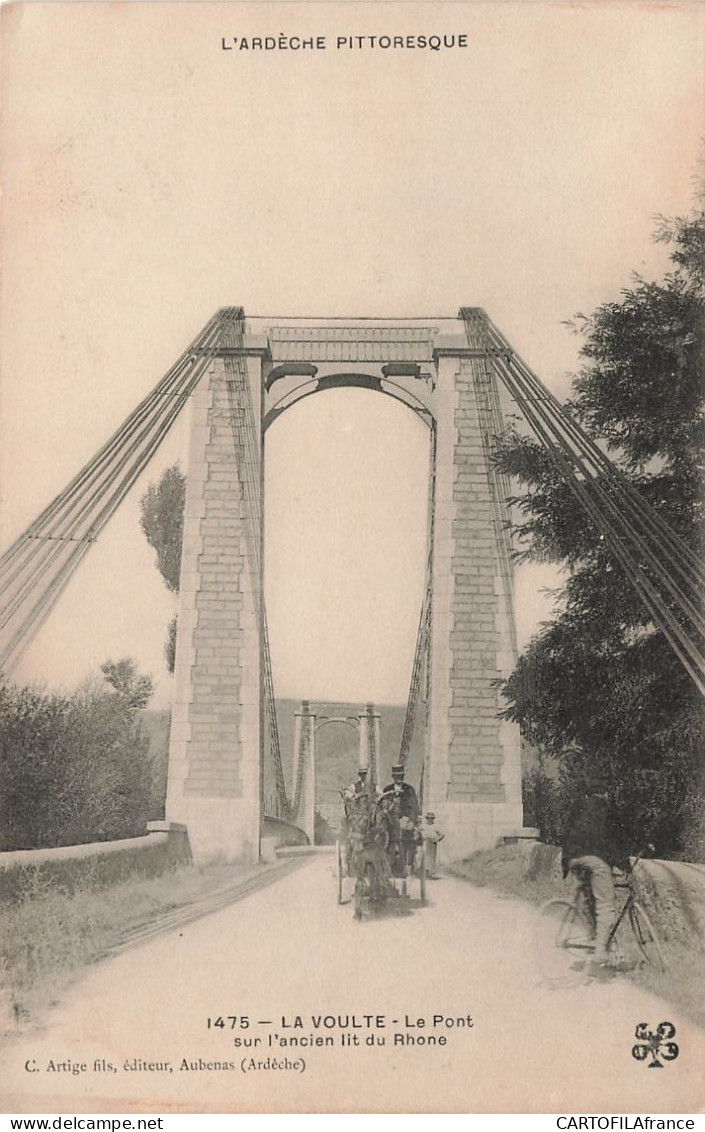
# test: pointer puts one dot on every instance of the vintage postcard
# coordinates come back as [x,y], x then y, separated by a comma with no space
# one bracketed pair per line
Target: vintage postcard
[352,744]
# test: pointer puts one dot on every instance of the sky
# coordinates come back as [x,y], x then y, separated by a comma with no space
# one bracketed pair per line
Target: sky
[151,177]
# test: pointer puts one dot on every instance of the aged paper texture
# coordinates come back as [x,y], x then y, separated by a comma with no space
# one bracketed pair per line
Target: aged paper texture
[335,162]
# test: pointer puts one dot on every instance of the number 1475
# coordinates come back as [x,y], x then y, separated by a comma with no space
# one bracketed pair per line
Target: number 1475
[229,1022]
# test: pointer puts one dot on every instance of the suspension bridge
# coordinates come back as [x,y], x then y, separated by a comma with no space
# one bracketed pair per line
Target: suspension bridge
[460,377]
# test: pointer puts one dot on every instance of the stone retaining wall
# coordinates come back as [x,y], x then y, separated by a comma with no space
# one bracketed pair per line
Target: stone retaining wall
[99,864]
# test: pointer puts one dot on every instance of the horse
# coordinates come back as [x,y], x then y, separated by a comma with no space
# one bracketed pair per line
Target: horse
[368,838]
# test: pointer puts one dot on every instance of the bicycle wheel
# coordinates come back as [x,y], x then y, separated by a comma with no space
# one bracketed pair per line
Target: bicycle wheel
[563,944]
[646,938]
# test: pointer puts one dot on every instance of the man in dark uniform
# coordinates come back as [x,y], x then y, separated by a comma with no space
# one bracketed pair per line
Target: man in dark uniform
[591,846]
[405,794]
[401,799]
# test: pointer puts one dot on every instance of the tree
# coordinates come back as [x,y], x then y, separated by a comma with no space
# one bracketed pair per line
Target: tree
[170,644]
[108,785]
[162,520]
[122,675]
[598,684]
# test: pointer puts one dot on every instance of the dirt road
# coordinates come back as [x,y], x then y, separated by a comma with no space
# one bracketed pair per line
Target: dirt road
[291,961]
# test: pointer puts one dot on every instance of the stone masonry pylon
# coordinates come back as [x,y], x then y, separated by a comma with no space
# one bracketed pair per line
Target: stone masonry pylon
[214,756]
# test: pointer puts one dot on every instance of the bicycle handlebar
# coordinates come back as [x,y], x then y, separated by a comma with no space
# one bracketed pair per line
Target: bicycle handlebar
[634,861]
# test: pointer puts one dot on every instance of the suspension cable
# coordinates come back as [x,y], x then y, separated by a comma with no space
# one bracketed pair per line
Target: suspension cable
[587,449]
[104,454]
[36,614]
[423,635]
[43,559]
[616,529]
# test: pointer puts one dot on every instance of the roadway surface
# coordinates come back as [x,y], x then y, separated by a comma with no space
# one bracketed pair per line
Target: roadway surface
[289,951]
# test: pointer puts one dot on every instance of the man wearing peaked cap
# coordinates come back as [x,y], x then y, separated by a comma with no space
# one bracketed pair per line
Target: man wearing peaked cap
[362,785]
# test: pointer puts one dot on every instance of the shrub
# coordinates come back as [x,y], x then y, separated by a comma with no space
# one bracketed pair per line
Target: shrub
[73,768]
[542,804]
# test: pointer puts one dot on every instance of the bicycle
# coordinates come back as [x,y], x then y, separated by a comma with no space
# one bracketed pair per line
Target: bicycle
[565,936]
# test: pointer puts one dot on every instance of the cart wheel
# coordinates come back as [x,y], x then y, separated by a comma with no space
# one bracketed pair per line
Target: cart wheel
[422,874]
[339,870]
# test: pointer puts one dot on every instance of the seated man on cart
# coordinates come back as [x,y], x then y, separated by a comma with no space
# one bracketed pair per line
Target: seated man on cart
[400,801]
[362,785]
[357,792]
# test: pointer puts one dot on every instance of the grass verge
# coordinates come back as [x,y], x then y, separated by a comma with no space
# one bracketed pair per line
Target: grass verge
[48,937]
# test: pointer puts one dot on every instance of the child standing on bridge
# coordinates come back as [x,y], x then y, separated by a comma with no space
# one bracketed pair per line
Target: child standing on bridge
[430,836]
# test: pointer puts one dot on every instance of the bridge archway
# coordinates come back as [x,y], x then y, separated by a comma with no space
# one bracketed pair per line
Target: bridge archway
[313,384]
[346,516]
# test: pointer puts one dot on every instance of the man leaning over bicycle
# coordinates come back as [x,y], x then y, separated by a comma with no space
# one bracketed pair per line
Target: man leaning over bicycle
[591,847]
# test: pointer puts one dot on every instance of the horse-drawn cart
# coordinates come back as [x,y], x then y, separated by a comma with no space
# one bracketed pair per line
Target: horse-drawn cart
[380,855]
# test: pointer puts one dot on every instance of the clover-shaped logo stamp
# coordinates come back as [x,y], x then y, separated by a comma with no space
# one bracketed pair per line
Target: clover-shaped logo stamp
[655,1044]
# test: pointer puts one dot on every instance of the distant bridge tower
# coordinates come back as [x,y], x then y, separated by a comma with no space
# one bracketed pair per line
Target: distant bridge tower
[304,781]
[369,742]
